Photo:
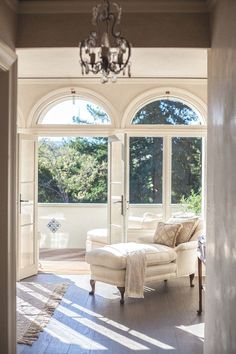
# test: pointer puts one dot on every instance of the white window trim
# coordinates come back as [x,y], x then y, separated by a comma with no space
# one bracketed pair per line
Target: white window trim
[57,96]
[156,130]
[167,169]
[159,93]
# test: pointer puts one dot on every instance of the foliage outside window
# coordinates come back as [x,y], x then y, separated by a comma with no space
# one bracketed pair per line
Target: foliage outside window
[75,111]
[166,111]
[72,170]
[192,203]
[186,168]
[146,159]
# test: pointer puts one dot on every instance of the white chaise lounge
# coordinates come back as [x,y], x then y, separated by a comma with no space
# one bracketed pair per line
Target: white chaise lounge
[108,263]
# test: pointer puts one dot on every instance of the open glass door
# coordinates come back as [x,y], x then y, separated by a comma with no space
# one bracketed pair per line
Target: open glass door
[146,167]
[27,231]
[117,189]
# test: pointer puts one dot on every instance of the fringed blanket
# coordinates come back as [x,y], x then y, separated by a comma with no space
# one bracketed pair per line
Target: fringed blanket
[135,271]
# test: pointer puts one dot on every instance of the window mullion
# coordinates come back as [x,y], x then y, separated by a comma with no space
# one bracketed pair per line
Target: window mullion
[167,177]
[204,177]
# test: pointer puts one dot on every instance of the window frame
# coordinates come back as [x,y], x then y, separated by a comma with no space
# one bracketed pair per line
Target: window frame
[173,99]
[122,122]
[167,168]
[57,96]
[53,104]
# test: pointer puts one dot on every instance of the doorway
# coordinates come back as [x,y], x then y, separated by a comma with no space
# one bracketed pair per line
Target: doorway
[72,199]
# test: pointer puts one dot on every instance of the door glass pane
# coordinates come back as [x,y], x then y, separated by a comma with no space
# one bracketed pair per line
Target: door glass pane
[145,182]
[186,175]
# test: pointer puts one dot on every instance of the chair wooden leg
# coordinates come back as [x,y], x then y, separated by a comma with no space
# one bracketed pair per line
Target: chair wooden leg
[92,283]
[122,293]
[191,277]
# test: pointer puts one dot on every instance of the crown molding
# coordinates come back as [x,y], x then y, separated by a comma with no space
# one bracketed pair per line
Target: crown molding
[120,81]
[12,4]
[138,6]
[7,56]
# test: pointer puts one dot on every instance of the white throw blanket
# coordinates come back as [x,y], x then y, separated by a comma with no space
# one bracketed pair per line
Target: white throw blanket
[135,270]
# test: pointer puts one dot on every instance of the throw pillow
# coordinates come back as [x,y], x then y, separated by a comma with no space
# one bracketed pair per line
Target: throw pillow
[166,234]
[189,227]
[187,230]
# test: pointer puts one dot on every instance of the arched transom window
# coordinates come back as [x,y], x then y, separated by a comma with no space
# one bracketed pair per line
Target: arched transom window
[167,111]
[74,111]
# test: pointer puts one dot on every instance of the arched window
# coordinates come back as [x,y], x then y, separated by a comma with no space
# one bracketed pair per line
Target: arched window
[167,111]
[166,163]
[74,111]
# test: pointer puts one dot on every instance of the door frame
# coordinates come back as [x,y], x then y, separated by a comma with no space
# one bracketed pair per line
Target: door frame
[33,270]
[8,88]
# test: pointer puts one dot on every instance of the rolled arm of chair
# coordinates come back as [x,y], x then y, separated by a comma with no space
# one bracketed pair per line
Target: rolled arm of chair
[191,245]
[186,258]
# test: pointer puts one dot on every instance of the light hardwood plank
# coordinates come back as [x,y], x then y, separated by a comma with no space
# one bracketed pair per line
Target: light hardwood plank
[165,321]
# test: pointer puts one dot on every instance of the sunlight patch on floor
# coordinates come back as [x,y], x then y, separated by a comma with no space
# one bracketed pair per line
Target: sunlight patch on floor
[124,328]
[109,333]
[68,335]
[150,340]
[196,329]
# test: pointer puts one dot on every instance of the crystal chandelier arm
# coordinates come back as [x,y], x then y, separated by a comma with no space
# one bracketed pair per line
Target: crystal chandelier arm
[81,46]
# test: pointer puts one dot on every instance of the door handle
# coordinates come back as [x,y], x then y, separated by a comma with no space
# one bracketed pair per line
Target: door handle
[122,204]
[24,201]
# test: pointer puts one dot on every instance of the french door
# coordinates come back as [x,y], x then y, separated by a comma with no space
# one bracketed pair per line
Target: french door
[117,198]
[27,245]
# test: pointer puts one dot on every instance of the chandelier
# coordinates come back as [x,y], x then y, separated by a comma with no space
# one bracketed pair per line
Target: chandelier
[106,51]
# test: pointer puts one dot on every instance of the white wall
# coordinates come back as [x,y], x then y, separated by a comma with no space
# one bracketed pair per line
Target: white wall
[31,91]
[221,213]
[75,220]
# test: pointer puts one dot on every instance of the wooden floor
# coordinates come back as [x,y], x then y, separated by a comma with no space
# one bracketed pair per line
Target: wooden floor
[165,321]
[63,261]
[62,254]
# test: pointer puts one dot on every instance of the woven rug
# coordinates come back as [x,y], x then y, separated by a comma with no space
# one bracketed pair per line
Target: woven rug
[36,303]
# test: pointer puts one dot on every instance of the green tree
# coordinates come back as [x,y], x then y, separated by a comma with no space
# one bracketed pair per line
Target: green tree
[146,169]
[193,202]
[73,170]
[186,167]
[99,116]
[165,112]
[146,155]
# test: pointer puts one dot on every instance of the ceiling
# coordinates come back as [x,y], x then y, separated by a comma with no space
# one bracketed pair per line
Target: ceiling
[146,63]
[55,6]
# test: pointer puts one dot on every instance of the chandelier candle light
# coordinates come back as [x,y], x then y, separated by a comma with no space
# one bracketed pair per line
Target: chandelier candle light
[105,51]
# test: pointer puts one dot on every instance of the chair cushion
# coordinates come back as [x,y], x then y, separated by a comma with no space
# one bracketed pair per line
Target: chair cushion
[166,234]
[97,235]
[114,256]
